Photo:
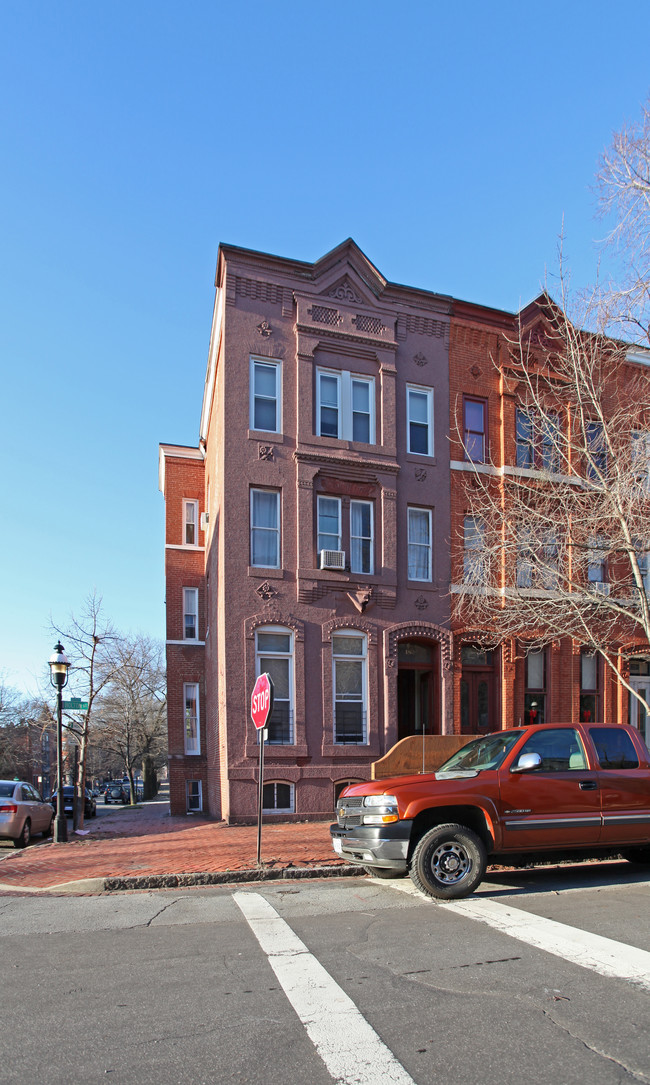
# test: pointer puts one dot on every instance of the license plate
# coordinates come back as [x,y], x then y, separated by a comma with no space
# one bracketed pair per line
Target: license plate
[337,845]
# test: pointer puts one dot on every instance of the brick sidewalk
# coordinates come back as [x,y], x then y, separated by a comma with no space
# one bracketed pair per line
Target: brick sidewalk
[137,843]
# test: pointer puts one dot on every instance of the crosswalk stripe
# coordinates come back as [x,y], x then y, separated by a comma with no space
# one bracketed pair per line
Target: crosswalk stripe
[350,1048]
[603,955]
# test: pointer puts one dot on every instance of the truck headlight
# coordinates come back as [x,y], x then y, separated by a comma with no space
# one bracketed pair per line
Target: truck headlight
[384,810]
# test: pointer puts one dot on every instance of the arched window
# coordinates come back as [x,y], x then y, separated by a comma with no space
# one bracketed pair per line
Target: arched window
[350,683]
[274,656]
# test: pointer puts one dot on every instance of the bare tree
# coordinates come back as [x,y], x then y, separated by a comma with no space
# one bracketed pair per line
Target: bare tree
[89,642]
[556,540]
[623,186]
[134,705]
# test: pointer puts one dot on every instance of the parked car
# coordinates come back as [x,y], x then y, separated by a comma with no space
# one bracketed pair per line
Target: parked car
[90,806]
[116,793]
[23,812]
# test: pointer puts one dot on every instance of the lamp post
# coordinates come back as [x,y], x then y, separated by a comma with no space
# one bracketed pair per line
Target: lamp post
[59,667]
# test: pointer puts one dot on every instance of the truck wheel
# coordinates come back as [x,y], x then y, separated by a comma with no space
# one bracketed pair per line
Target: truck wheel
[449,862]
[384,872]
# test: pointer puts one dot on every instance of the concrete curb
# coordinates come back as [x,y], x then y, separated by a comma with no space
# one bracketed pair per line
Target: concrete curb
[184,881]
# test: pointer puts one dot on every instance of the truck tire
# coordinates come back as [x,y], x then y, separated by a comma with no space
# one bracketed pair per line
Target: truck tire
[449,862]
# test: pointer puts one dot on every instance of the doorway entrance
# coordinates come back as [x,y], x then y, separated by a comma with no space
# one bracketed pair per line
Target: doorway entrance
[417,689]
[477,691]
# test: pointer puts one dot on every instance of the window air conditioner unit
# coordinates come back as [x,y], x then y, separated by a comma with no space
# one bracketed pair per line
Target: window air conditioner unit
[332,559]
[205,520]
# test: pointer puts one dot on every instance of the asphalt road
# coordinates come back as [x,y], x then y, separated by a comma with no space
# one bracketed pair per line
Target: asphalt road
[541,977]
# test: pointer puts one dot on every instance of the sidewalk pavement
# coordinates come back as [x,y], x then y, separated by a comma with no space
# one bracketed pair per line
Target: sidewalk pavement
[145,848]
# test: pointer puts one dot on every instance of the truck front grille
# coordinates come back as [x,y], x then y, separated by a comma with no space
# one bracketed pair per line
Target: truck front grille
[348,811]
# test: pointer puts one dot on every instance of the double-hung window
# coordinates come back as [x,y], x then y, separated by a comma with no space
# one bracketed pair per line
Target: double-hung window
[329,523]
[597,564]
[265,528]
[193,796]
[596,451]
[475,429]
[419,420]
[265,395]
[535,692]
[474,555]
[190,523]
[349,661]
[419,544]
[192,727]
[274,656]
[538,440]
[190,613]
[361,537]
[345,406]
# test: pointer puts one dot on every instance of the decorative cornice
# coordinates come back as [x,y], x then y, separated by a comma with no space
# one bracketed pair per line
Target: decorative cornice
[364,465]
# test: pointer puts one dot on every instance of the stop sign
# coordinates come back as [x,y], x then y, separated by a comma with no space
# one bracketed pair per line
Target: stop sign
[262,700]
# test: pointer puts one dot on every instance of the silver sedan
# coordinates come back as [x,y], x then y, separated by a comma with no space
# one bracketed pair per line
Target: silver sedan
[23,813]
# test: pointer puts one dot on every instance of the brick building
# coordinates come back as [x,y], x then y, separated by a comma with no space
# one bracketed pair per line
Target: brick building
[317,533]
[307,535]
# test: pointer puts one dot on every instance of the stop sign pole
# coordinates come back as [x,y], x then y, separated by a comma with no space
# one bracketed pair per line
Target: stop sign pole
[261,708]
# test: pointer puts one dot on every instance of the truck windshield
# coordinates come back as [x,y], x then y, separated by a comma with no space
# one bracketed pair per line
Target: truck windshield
[483,753]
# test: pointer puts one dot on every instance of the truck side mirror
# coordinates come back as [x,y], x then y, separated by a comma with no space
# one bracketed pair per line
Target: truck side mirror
[528,762]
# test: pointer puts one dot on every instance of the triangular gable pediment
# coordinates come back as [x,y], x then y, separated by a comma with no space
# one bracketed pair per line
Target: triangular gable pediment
[347,274]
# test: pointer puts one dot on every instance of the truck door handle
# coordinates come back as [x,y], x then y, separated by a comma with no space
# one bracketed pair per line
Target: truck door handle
[588,785]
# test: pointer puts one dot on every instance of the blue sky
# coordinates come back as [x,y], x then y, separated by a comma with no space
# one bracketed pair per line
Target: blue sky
[450,141]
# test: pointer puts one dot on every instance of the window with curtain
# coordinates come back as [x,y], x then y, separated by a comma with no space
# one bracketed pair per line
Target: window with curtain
[345,406]
[361,537]
[329,523]
[419,544]
[265,528]
[350,688]
[274,656]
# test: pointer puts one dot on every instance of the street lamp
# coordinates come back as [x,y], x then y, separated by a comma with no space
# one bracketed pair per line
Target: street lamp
[59,667]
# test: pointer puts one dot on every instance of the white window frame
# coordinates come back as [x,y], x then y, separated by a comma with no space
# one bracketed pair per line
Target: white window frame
[597,566]
[363,659]
[291,809]
[191,597]
[261,653]
[337,500]
[194,809]
[269,363]
[428,546]
[363,538]
[345,382]
[274,530]
[192,745]
[418,390]
[188,503]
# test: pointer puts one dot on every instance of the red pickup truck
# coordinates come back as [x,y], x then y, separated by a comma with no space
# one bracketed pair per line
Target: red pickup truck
[528,792]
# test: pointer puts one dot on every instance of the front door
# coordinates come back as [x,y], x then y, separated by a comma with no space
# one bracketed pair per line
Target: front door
[476,703]
[417,708]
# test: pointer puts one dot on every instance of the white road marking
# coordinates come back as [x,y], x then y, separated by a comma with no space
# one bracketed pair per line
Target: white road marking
[349,1047]
[593,951]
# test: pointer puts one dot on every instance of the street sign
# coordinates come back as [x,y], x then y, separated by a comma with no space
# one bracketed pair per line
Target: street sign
[75,704]
[262,701]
